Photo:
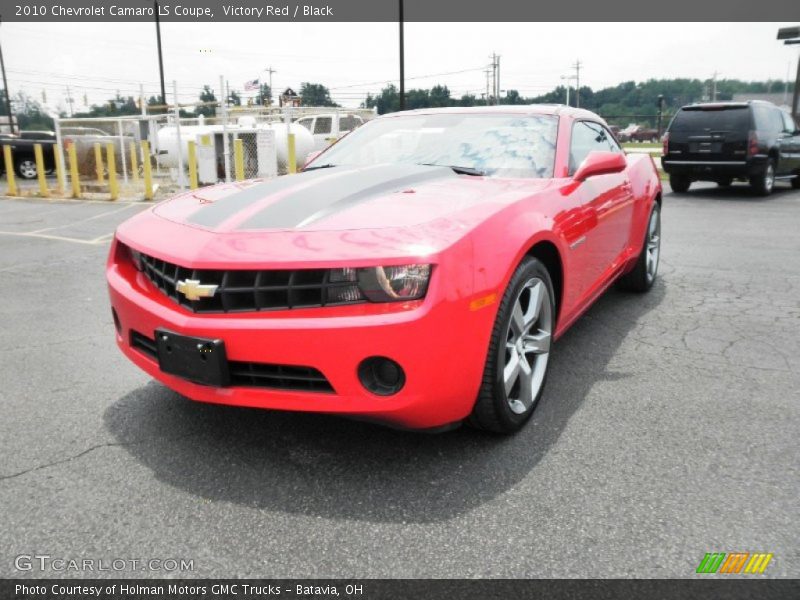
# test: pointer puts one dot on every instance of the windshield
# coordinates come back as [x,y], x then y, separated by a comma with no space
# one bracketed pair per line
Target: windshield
[493,145]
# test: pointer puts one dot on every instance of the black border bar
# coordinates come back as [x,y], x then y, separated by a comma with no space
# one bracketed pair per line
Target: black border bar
[713,587]
[388,10]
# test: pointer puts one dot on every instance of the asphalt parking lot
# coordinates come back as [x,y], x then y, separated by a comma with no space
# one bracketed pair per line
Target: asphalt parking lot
[669,429]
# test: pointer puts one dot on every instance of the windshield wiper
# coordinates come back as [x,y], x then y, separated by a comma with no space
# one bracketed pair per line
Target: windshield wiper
[459,170]
[319,167]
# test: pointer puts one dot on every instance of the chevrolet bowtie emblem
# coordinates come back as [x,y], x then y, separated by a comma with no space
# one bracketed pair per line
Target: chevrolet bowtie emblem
[194,290]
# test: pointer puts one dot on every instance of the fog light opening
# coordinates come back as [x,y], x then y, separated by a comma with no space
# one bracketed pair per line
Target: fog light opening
[381,375]
[117,324]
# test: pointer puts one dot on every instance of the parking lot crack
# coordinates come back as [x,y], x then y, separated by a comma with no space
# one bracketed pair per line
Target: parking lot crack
[88,451]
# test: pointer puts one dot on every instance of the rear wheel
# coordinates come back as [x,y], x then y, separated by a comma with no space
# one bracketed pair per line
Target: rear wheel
[723,183]
[643,275]
[796,182]
[519,351]
[679,183]
[762,184]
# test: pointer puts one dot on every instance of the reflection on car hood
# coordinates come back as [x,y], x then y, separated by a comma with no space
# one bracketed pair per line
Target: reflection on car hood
[345,198]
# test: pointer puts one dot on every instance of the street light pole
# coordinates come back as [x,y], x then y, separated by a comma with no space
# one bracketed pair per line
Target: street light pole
[160,56]
[402,61]
[8,94]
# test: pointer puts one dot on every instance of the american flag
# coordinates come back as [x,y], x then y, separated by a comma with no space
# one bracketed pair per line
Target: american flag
[251,86]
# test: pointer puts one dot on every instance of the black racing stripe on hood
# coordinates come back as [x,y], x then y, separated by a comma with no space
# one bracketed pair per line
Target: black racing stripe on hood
[339,193]
[223,209]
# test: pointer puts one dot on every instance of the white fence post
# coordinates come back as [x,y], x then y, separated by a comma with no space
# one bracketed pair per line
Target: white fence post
[178,134]
[226,150]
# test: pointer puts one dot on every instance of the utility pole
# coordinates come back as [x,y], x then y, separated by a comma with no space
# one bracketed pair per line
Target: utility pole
[494,78]
[8,94]
[714,87]
[70,101]
[487,71]
[577,66]
[497,81]
[402,60]
[269,70]
[160,56]
[568,78]
[790,36]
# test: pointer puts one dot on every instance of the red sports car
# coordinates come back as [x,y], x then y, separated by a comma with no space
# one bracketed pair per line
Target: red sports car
[415,273]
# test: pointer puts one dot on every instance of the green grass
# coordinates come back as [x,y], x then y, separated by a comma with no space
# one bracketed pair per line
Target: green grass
[641,145]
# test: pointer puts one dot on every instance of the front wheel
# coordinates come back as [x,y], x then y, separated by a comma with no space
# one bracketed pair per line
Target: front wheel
[519,351]
[643,275]
[27,168]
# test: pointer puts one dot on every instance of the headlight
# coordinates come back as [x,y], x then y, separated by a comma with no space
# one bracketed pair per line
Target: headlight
[392,284]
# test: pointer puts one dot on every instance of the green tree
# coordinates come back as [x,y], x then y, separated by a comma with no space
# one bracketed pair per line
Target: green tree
[206,96]
[264,95]
[234,98]
[315,94]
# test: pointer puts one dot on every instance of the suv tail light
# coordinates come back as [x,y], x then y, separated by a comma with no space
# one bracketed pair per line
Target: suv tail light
[665,148]
[752,143]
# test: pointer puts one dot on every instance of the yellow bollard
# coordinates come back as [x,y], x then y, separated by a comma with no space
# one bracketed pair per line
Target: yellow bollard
[74,177]
[12,180]
[292,167]
[146,169]
[192,165]
[98,162]
[113,187]
[238,159]
[59,169]
[134,163]
[39,156]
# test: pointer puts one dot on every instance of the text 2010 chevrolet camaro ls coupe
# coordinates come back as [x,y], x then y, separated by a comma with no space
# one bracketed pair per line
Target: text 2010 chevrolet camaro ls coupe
[416,272]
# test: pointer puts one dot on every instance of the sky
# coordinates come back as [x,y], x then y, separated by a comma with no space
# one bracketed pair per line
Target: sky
[99,59]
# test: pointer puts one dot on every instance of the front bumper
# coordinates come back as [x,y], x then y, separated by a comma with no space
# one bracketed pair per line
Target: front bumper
[439,342]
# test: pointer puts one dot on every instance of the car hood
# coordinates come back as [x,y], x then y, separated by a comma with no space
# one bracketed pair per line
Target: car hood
[335,213]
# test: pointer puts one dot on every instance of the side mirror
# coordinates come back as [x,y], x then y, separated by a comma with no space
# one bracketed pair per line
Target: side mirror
[600,163]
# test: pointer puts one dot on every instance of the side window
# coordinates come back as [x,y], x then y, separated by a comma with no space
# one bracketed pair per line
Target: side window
[587,137]
[776,120]
[347,123]
[322,125]
[305,123]
[788,123]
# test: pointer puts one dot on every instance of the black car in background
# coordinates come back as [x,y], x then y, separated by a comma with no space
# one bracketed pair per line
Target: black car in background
[23,153]
[753,141]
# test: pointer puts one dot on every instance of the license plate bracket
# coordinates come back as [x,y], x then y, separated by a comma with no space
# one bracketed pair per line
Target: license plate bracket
[200,360]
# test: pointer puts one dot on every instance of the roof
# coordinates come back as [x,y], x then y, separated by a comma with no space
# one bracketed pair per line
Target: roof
[515,109]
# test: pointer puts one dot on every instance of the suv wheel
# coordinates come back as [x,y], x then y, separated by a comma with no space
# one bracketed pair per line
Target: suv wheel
[723,183]
[762,184]
[679,183]
[27,168]
[796,182]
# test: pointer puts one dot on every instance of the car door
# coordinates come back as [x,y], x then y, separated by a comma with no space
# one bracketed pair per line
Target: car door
[607,202]
[789,145]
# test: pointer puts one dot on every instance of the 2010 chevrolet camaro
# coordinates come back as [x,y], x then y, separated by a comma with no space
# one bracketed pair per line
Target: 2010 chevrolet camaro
[416,272]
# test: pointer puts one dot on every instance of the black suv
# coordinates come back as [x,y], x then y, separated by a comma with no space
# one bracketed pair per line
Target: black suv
[722,141]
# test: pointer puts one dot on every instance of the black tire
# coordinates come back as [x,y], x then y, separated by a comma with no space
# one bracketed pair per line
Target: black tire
[764,183]
[642,277]
[493,410]
[724,183]
[26,168]
[796,182]
[679,183]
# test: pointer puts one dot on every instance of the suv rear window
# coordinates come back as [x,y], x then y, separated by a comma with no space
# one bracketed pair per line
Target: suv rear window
[718,119]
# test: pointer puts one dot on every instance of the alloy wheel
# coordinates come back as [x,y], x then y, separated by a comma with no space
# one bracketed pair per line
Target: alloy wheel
[27,169]
[527,345]
[653,248]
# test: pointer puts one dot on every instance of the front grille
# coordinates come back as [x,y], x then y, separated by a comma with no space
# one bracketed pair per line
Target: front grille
[253,374]
[251,290]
